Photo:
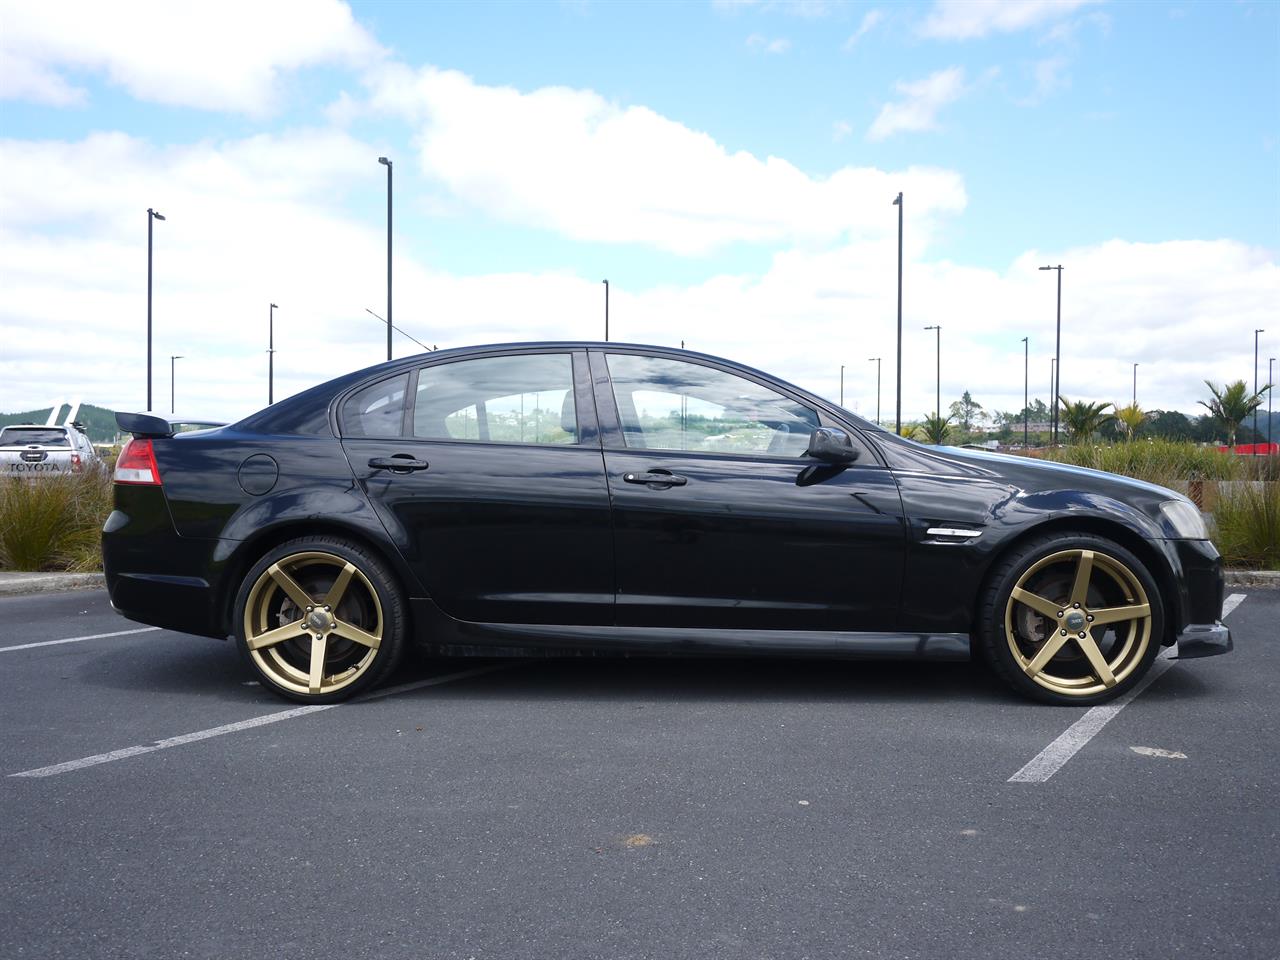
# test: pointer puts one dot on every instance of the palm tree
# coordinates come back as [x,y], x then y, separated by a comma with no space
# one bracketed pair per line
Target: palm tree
[1082,418]
[1131,418]
[936,428]
[1232,404]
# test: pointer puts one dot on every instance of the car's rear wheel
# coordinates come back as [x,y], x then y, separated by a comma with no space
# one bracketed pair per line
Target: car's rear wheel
[1071,619]
[320,619]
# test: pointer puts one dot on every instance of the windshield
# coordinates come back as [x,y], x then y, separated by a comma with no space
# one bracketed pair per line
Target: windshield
[45,436]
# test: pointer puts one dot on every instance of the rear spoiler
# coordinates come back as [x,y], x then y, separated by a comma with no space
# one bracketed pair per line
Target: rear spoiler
[154,425]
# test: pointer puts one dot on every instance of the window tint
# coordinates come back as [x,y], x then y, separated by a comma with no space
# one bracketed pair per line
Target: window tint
[674,405]
[377,410]
[523,399]
[45,436]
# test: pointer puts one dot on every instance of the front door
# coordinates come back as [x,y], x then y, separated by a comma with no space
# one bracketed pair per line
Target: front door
[719,518]
[487,474]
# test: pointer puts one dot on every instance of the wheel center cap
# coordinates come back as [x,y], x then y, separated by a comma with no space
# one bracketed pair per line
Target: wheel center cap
[318,620]
[1075,620]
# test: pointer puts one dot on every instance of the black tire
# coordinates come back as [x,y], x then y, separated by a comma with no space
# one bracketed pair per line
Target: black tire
[1012,631]
[361,639]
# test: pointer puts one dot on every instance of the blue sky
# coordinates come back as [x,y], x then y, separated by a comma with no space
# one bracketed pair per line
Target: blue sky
[1055,129]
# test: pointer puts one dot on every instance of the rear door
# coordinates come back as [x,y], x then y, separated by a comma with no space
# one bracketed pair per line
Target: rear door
[487,473]
[720,520]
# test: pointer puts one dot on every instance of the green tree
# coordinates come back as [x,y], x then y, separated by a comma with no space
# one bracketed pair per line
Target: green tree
[1231,404]
[1082,418]
[967,412]
[1169,425]
[935,429]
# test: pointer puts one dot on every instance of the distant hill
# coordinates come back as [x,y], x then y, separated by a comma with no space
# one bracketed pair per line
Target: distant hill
[99,423]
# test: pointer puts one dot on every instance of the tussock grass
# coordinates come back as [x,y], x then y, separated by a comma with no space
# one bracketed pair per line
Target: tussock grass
[1165,462]
[1246,526]
[54,523]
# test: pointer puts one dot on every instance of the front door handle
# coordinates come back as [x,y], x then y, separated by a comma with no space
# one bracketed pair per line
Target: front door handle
[656,479]
[399,463]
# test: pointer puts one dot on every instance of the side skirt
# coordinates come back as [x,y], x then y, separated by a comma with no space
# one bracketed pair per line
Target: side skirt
[437,631]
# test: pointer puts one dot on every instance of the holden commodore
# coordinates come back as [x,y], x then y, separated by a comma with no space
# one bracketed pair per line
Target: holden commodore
[639,500]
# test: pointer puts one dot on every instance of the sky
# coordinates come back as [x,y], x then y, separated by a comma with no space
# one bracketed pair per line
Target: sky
[729,166]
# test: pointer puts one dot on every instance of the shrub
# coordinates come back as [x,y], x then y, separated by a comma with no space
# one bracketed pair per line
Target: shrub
[54,523]
[1165,462]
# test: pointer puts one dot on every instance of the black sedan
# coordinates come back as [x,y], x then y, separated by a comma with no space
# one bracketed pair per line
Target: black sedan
[558,496]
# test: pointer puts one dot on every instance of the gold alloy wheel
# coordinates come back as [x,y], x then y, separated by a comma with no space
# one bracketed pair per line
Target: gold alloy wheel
[1078,622]
[313,623]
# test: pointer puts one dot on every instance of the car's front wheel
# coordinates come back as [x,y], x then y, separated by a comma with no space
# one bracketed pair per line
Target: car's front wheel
[320,619]
[1071,619]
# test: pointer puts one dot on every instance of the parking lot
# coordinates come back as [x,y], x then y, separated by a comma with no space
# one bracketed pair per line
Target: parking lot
[158,803]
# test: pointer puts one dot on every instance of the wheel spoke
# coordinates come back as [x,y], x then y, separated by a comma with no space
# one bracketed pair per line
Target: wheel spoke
[1113,614]
[290,586]
[1045,654]
[269,639]
[1084,572]
[339,588]
[1036,602]
[318,645]
[1097,660]
[349,631]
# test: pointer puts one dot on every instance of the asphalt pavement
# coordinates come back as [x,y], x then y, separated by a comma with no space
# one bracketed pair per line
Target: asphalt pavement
[159,803]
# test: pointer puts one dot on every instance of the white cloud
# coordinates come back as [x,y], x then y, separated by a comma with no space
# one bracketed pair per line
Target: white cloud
[969,19]
[225,56]
[572,162]
[869,22]
[840,130]
[806,9]
[242,232]
[1050,76]
[760,43]
[922,99]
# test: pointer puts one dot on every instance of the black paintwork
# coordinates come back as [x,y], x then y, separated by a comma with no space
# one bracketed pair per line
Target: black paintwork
[533,545]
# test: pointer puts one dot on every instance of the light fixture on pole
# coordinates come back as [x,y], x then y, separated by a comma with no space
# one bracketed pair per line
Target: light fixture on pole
[172,390]
[1057,357]
[897,202]
[938,330]
[1255,390]
[877,360]
[606,314]
[271,353]
[387,163]
[152,216]
[1026,390]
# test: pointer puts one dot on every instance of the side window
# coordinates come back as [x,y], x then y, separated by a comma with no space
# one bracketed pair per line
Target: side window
[519,399]
[675,405]
[377,410]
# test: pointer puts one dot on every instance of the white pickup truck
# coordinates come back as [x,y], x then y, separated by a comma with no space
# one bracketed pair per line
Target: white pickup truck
[28,450]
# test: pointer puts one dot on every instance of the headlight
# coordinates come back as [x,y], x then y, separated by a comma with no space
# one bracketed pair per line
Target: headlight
[1184,517]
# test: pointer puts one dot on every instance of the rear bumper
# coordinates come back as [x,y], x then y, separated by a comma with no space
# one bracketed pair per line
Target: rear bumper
[1204,640]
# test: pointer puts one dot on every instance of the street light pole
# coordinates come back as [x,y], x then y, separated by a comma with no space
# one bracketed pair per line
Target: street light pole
[1057,356]
[1053,382]
[898,419]
[606,314]
[1026,389]
[387,163]
[1135,386]
[1271,388]
[152,215]
[938,381]
[842,384]
[1255,390]
[172,391]
[271,354]
[877,360]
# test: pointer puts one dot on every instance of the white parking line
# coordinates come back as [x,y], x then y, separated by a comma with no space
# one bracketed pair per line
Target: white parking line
[92,636]
[249,724]
[1052,758]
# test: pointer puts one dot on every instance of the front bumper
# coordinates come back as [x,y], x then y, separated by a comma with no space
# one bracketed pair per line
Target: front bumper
[1204,640]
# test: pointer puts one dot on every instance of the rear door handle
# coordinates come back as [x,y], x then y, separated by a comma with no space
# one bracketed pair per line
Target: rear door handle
[399,463]
[656,479]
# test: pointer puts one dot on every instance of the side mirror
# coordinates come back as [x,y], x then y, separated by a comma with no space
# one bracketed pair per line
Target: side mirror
[831,445]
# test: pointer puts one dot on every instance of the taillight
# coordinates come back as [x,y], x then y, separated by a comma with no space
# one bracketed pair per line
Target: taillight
[75,463]
[137,464]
